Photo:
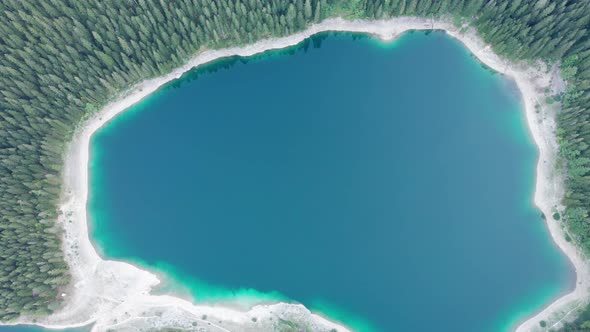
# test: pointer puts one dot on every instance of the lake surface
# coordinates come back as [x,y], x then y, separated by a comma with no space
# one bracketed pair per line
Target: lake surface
[387,185]
[31,328]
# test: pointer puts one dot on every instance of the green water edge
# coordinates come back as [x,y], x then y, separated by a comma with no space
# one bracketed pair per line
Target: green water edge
[529,308]
[532,305]
[175,282]
[184,286]
[36,328]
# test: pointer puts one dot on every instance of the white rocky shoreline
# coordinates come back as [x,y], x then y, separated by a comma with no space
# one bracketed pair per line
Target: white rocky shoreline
[117,295]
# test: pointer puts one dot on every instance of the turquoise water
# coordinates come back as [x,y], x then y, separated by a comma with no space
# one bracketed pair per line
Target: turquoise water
[386,185]
[31,328]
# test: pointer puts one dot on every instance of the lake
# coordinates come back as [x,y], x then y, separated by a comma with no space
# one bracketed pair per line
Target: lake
[386,185]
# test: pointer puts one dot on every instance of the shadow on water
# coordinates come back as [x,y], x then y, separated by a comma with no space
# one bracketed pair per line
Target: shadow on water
[223,64]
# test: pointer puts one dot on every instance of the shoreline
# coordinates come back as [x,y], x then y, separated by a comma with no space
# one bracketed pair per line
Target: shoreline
[114,294]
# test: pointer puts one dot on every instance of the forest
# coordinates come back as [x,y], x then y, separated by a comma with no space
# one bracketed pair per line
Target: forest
[62,60]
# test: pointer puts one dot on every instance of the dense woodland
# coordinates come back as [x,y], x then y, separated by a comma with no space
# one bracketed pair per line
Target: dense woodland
[60,61]
[581,324]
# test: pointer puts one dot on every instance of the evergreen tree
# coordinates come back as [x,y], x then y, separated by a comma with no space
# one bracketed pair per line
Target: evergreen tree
[60,61]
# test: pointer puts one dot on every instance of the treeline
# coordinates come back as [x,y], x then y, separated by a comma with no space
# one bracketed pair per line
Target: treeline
[551,30]
[60,60]
[580,324]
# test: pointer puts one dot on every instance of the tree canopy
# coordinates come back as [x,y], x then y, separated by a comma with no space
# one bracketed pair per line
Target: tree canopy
[61,60]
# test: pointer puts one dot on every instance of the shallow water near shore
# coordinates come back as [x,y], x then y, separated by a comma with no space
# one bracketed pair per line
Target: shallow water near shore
[31,328]
[386,185]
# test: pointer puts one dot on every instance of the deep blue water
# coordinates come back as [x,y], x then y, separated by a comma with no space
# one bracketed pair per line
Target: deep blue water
[382,184]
